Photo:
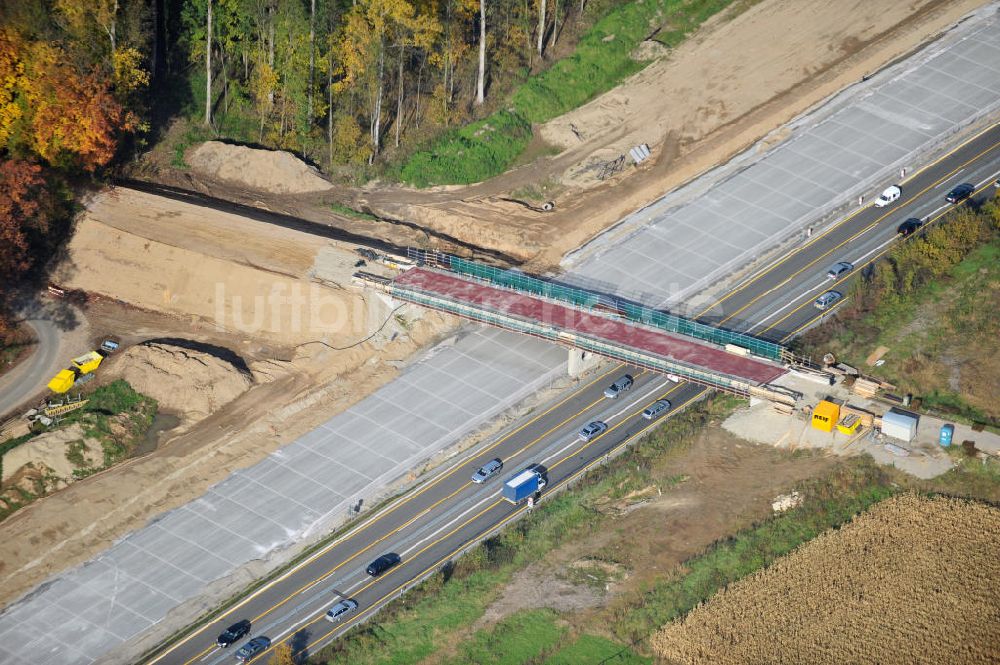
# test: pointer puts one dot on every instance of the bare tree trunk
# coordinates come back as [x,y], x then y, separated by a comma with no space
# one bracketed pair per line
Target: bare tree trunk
[555,21]
[225,81]
[329,112]
[541,27]
[112,28]
[420,78]
[399,98]
[377,115]
[312,53]
[481,79]
[208,67]
[270,48]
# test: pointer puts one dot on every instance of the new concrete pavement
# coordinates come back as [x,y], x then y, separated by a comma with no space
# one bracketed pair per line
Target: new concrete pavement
[84,614]
[450,514]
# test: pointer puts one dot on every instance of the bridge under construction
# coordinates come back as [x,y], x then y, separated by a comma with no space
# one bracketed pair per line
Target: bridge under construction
[591,322]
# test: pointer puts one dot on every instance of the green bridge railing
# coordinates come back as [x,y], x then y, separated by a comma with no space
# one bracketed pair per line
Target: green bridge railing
[519,281]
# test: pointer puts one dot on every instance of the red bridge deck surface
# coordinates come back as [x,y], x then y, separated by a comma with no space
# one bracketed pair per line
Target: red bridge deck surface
[575,321]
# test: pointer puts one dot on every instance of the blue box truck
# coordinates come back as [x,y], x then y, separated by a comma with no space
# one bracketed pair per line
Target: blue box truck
[522,485]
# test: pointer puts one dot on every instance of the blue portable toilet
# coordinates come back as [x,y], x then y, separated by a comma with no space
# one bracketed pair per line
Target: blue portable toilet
[947,433]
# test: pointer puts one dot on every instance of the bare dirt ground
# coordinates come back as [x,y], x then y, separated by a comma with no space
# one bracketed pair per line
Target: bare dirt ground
[277,301]
[724,89]
[720,484]
[719,92]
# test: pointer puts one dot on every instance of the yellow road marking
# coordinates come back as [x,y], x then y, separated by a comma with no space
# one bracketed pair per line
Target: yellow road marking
[375,605]
[870,261]
[788,256]
[377,518]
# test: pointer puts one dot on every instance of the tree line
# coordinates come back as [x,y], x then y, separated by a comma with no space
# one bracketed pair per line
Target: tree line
[86,83]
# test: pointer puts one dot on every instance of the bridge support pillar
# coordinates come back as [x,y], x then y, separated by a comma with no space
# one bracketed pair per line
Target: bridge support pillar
[581,362]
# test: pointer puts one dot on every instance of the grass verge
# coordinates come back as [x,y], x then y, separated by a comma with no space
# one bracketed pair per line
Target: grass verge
[115,420]
[828,503]
[601,60]
[415,626]
[927,303]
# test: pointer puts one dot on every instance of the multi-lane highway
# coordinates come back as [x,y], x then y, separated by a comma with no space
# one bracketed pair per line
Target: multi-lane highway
[776,302]
[449,513]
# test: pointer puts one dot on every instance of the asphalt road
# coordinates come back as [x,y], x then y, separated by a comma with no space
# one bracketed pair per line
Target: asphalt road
[776,302]
[29,378]
[448,514]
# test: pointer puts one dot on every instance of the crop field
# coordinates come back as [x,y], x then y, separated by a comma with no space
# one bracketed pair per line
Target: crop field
[913,580]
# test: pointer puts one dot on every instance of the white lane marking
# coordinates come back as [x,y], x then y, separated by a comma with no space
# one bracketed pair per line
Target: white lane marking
[572,443]
[821,285]
[457,518]
[613,416]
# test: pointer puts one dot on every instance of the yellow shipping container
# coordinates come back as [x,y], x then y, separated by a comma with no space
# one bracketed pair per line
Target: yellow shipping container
[62,381]
[88,362]
[825,416]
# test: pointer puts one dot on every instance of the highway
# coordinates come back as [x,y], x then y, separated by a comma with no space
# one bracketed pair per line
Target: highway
[776,302]
[448,513]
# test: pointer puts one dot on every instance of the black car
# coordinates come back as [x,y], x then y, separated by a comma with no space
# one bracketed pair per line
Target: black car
[233,634]
[960,193]
[382,564]
[909,226]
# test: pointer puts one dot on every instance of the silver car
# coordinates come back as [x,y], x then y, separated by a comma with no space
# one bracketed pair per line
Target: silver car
[827,300]
[341,610]
[593,430]
[487,471]
[838,269]
[618,387]
[656,409]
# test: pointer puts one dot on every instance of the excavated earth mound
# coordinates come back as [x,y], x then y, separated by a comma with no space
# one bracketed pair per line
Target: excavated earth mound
[272,171]
[192,383]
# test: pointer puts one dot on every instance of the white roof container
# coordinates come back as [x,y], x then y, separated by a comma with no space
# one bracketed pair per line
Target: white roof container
[900,424]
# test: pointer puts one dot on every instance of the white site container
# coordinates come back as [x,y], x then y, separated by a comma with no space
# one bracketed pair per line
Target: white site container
[900,424]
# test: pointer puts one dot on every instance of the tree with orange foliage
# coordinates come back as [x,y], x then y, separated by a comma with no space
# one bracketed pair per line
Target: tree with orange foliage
[75,117]
[26,210]
[49,108]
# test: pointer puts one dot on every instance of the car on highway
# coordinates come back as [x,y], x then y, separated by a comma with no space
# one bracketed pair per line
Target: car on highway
[345,607]
[233,634]
[593,430]
[909,226]
[487,471]
[253,648]
[656,409]
[888,196]
[382,564]
[960,193]
[827,300]
[838,269]
[624,384]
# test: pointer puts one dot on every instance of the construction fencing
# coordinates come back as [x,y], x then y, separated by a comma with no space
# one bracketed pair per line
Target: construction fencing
[589,300]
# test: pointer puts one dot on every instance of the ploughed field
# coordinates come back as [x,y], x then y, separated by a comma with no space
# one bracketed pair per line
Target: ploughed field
[913,580]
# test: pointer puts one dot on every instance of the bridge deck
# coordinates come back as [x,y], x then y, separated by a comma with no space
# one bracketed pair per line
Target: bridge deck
[575,321]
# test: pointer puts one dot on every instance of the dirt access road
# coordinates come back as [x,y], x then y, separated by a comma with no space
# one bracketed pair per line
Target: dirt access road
[744,74]
[722,90]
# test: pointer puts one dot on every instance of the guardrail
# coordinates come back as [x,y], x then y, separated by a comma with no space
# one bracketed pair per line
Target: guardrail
[590,300]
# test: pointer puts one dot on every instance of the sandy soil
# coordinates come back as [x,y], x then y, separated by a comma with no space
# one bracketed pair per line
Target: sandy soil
[49,450]
[727,485]
[238,276]
[719,92]
[273,171]
[157,268]
[188,382]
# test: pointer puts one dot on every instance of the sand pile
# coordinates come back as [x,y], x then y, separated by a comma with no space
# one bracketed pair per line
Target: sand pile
[192,383]
[49,451]
[273,171]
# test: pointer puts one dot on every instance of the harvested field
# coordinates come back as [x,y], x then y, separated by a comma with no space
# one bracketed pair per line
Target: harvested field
[913,580]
